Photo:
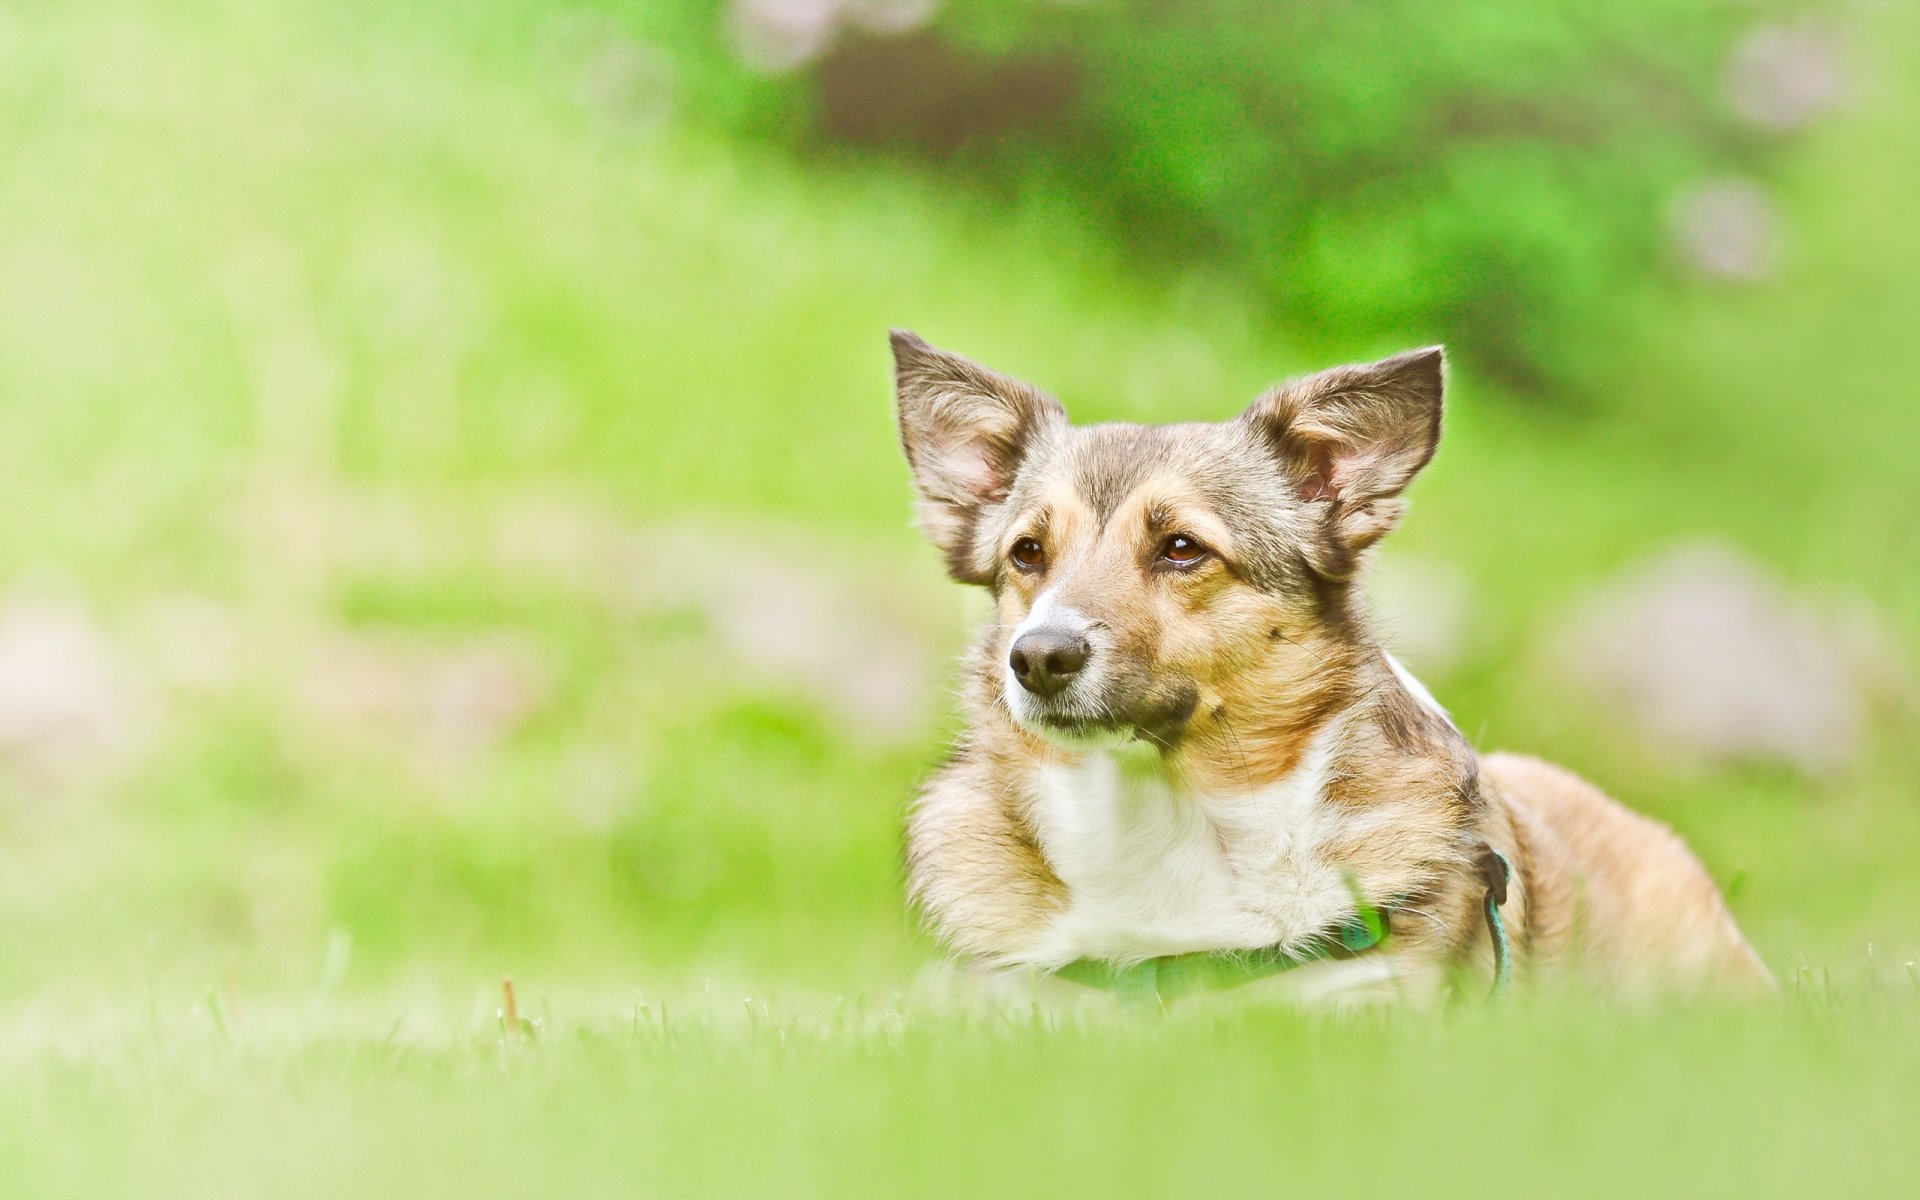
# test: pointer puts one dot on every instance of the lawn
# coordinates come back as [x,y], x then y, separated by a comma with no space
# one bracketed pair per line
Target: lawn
[448,481]
[725,1097]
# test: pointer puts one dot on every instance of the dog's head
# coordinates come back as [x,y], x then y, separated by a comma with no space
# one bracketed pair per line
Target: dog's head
[1147,575]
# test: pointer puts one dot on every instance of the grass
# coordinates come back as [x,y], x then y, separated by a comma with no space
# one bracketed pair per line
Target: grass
[354,349]
[766,1097]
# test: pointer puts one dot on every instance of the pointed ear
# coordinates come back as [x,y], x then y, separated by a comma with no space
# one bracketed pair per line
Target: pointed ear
[1350,440]
[965,430]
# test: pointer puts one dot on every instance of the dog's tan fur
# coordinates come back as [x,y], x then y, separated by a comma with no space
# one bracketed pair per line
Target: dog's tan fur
[1253,678]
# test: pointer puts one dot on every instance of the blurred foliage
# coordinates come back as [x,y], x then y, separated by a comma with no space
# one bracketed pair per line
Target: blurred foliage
[399,402]
[1388,173]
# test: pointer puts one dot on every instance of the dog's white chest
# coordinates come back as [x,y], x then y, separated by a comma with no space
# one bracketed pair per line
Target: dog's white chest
[1150,870]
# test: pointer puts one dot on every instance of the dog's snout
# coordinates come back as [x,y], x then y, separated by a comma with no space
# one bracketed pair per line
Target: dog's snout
[1046,660]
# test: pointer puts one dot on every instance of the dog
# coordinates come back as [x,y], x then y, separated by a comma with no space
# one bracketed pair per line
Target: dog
[1189,757]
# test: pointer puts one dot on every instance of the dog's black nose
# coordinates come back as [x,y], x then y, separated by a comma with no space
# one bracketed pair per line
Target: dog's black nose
[1046,660]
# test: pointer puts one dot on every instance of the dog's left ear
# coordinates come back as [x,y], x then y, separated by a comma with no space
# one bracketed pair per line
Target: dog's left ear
[966,431]
[1350,440]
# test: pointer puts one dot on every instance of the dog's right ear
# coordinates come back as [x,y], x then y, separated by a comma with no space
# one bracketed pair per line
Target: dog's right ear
[965,430]
[1351,439]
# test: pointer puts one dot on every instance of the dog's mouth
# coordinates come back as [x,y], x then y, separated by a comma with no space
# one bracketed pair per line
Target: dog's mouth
[1160,725]
[1088,734]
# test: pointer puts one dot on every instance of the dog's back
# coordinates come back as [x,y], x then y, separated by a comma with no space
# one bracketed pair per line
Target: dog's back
[1615,896]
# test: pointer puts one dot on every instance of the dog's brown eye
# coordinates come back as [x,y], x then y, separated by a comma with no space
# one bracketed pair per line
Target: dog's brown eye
[1029,555]
[1182,551]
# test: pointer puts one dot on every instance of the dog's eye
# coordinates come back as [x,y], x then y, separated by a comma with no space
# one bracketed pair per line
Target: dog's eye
[1182,551]
[1029,555]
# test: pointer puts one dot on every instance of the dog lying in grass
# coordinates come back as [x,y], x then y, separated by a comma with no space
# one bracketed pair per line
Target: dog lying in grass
[1189,763]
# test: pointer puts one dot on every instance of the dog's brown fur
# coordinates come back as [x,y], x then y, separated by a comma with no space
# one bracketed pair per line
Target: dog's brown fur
[1250,670]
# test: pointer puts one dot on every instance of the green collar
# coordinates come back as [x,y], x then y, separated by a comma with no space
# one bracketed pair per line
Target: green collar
[1174,975]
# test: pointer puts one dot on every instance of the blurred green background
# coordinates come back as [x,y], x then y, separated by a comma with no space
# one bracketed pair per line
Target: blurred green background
[454,525]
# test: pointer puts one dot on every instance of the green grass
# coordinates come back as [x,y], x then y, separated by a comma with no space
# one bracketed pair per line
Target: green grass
[762,1097]
[378,332]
